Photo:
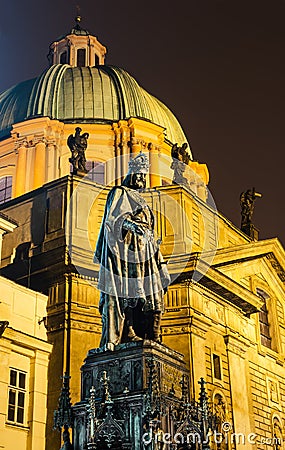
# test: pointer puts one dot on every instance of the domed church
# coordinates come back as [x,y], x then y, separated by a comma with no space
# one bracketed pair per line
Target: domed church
[37,116]
[224,309]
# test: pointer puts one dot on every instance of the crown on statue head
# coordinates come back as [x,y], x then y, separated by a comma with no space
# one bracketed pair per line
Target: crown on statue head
[139,164]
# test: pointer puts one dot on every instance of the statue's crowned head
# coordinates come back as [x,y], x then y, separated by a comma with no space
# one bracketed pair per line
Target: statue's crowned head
[139,164]
[138,168]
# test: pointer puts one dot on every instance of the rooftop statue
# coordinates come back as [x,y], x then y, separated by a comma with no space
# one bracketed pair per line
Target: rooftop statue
[78,146]
[180,159]
[247,200]
[133,277]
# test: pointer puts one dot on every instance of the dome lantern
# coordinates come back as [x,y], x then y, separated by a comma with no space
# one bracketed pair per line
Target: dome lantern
[78,48]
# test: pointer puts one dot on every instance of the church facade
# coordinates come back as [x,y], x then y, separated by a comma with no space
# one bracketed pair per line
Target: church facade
[224,310]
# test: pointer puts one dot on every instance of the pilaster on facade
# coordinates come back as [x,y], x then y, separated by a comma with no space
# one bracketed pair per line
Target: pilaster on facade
[238,345]
[199,326]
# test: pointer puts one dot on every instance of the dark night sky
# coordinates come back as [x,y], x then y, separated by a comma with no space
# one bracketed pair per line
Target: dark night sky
[218,64]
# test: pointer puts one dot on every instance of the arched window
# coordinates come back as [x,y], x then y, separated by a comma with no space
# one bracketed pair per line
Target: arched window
[264,326]
[277,433]
[81,57]
[96,171]
[63,58]
[5,189]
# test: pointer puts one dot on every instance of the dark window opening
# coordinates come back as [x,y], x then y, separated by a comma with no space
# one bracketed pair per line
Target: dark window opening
[63,58]
[264,326]
[96,171]
[81,57]
[217,367]
[5,189]
[97,61]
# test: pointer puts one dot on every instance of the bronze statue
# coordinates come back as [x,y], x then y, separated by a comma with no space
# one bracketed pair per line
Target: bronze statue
[133,277]
[247,200]
[78,146]
[180,159]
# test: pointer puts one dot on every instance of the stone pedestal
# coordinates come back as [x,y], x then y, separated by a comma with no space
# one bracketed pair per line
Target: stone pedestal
[125,390]
[251,231]
[79,173]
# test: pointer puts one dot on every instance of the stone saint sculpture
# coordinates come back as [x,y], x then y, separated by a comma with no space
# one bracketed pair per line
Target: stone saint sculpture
[78,146]
[180,159]
[133,277]
[247,200]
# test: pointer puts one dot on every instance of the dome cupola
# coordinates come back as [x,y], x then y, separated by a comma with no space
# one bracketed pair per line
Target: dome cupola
[79,90]
[78,48]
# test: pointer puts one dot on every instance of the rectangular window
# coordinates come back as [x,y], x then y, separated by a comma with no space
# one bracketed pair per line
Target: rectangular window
[16,396]
[81,57]
[217,372]
[264,326]
[96,171]
[5,189]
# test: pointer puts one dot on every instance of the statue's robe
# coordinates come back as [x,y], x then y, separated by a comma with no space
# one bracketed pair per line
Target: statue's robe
[132,269]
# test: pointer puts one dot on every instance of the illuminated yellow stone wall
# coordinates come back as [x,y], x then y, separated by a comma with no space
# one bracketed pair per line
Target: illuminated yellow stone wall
[24,348]
[38,153]
[213,314]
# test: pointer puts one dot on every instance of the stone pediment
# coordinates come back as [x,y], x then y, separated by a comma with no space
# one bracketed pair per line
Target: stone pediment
[270,251]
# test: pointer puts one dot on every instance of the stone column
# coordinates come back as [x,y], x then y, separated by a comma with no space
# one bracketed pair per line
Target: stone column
[21,170]
[117,154]
[238,374]
[40,165]
[125,150]
[154,177]
[51,161]
[136,146]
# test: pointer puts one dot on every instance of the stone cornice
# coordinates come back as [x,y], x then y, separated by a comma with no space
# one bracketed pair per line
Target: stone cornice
[215,281]
[26,341]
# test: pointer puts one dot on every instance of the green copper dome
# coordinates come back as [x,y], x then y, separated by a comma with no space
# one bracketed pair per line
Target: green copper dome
[85,94]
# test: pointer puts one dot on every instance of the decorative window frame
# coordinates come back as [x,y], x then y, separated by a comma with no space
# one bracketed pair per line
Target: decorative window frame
[219,381]
[18,390]
[271,305]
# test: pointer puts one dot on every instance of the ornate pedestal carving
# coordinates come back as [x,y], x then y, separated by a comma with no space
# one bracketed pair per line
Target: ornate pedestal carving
[128,395]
